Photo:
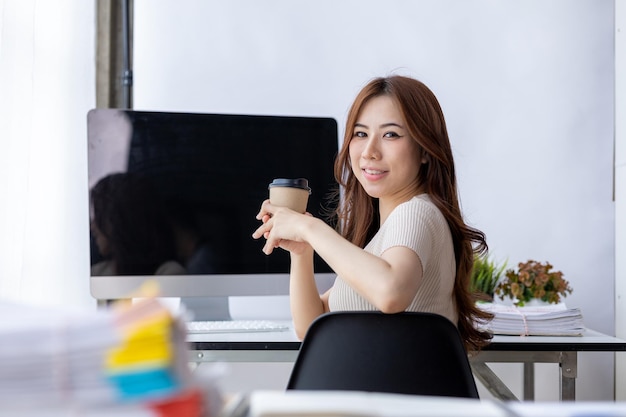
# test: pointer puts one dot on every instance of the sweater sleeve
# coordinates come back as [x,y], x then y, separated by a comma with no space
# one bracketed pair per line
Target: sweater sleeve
[411,225]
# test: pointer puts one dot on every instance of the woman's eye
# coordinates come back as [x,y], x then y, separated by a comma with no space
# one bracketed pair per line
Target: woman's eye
[359,134]
[391,135]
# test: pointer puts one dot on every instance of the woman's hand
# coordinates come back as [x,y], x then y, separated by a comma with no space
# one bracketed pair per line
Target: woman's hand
[282,227]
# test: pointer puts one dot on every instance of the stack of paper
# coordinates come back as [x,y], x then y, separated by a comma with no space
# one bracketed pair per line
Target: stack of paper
[549,320]
[130,360]
[294,403]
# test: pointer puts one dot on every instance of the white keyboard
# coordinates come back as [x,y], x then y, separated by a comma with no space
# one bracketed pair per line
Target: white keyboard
[236,326]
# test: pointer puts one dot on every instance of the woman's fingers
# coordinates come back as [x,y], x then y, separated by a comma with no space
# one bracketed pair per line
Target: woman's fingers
[270,243]
[265,214]
[276,234]
[266,210]
[263,230]
[269,246]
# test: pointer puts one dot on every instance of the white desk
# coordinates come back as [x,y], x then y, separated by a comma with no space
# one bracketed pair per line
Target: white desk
[528,350]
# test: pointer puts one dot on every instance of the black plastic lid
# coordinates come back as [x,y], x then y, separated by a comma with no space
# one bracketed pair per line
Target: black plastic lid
[302,183]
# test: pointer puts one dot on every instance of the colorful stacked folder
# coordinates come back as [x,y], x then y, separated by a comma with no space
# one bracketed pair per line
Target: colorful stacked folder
[131,360]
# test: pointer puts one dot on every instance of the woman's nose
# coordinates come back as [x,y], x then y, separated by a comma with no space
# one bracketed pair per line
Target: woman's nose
[371,151]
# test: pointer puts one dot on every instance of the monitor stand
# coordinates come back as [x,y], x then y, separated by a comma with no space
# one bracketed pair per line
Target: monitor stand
[207,308]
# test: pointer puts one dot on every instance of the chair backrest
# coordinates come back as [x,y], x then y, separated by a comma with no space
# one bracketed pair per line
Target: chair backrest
[405,353]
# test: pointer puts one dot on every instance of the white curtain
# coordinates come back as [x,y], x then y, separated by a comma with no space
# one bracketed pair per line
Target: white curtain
[47,85]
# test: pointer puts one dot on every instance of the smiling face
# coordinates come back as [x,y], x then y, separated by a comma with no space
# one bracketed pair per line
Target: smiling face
[384,158]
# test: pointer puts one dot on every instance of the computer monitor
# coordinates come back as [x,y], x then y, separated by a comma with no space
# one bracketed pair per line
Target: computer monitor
[205,177]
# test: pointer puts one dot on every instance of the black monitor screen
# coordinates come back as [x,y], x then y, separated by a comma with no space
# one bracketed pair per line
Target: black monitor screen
[171,190]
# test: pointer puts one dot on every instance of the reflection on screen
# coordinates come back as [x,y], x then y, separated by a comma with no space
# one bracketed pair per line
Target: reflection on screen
[177,193]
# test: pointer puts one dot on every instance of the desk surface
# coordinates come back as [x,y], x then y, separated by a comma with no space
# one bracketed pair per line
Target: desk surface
[590,341]
[284,346]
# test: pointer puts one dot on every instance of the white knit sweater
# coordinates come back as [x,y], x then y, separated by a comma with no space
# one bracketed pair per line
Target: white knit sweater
[418,225]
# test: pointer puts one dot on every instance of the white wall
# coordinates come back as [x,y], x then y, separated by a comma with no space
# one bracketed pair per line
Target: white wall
[620,192]
[527,88]
[47,84]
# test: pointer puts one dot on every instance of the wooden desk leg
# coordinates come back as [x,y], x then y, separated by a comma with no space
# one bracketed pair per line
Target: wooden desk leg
[529,381]
[569,371]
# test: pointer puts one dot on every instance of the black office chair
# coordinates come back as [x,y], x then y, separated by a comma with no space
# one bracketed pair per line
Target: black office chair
[405,353]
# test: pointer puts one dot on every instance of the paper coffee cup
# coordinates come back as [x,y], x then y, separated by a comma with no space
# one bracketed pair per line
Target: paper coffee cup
[292,193]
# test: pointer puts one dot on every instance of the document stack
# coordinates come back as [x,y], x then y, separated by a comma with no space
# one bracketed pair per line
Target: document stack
[124,361]
[304,403]
[548,320]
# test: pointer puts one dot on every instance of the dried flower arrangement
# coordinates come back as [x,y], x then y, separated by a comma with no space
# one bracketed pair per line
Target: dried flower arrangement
[534,280]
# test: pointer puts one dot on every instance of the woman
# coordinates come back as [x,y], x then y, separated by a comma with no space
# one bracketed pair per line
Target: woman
[401,243]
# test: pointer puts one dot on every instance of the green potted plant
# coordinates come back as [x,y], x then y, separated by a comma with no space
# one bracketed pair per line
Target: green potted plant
[486,274]
[534,280]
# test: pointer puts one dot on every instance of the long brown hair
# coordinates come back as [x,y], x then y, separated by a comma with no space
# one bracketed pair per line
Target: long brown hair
[356,214]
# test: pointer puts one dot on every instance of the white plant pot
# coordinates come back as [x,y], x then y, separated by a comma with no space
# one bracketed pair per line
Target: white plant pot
[536,302]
